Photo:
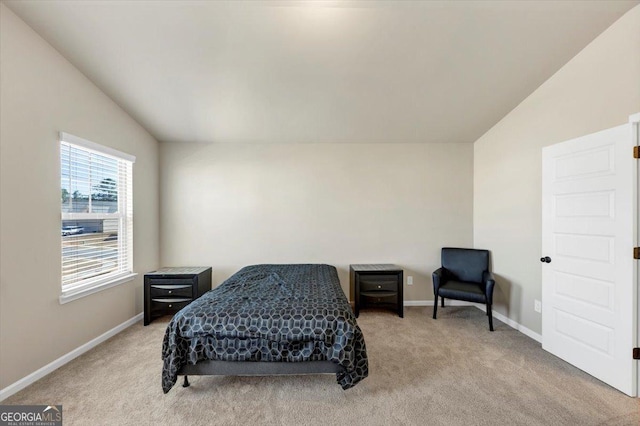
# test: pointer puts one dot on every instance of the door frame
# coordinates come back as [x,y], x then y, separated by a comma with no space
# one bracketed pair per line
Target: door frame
[634,122]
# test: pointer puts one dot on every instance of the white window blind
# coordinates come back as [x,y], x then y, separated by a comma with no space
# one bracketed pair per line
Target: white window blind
[97,214]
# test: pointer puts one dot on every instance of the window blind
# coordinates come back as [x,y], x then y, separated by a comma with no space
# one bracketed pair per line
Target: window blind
[97,213]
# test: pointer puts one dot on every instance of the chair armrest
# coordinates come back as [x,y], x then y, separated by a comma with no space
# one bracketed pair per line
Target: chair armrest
[439,278]
[489,282]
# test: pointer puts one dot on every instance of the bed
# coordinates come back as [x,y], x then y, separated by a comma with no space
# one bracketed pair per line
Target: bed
[268,319]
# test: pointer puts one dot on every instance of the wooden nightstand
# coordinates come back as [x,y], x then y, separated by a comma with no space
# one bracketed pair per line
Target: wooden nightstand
[168,290]
[377,285]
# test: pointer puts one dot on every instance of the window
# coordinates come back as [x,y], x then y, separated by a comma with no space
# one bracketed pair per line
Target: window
[97,217]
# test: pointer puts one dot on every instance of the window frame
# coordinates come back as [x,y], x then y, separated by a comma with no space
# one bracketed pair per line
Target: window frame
[87,286]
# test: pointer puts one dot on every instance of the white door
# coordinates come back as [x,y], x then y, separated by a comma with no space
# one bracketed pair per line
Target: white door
[589,297]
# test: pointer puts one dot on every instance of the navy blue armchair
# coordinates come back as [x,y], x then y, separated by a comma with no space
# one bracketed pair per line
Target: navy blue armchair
[464,275]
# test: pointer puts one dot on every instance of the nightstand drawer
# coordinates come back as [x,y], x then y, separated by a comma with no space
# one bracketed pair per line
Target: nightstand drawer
[378,283]
[168,305]
[154,281]
[376,298]
[175,290]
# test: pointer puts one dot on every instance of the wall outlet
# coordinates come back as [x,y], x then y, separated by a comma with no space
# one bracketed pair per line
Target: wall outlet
[409,280]
[537,306]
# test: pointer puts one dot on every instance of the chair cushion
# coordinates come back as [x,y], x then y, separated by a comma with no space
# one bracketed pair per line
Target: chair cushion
[462,290]
[465,264]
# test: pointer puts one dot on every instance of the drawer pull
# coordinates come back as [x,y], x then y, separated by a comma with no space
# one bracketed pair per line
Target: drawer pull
[170,291]
[379,286]
[170,305]
[170,286]
[172,300]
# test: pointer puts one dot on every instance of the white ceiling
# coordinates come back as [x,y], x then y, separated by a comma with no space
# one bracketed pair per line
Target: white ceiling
[320,71]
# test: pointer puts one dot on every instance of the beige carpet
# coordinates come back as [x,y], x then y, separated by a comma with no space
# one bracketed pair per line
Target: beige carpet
[450,371]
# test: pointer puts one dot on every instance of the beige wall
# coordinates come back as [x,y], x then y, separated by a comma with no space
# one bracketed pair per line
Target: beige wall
[41,94]
[229,206]
[597,89]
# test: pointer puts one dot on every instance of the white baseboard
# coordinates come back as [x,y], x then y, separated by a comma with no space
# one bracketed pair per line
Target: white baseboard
[52,366]
[497,315]
[418,303]
[513,324]
[430,303]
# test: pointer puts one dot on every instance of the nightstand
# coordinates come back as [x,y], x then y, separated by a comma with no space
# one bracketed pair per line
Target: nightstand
[377,285]
[168,290]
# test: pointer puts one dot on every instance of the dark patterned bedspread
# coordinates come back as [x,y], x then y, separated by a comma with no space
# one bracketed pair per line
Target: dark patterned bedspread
[287,313]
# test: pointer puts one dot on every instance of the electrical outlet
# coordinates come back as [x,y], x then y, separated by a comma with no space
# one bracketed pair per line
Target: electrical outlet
[537,306]
[409,280]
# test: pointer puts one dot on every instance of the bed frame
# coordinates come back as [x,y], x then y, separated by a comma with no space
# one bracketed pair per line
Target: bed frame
[256,368]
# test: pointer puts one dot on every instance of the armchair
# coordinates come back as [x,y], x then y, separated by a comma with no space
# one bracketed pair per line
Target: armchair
[464,275]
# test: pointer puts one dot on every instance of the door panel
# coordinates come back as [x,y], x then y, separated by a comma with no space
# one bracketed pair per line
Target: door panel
[588,224]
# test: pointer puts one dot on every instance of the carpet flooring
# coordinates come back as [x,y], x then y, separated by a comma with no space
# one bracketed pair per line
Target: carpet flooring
[449,371]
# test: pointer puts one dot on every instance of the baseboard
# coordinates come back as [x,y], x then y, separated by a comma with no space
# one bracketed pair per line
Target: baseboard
[450,302]
[52,366]
[513,324]
[497,315]
[418,302]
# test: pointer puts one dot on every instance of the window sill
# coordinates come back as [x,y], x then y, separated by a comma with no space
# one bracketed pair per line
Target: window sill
[77,293]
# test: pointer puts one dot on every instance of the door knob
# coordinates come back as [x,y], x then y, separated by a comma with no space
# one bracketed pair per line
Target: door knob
[545,259]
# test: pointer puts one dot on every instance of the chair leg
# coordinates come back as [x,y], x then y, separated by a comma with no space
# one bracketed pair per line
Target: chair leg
[435,306]
[490,317]
[442,301]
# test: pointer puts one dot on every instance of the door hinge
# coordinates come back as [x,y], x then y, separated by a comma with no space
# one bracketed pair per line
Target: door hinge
[636,353]
[636,252]
[636,152]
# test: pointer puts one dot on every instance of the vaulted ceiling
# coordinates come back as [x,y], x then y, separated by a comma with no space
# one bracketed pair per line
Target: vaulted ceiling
[319,71]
